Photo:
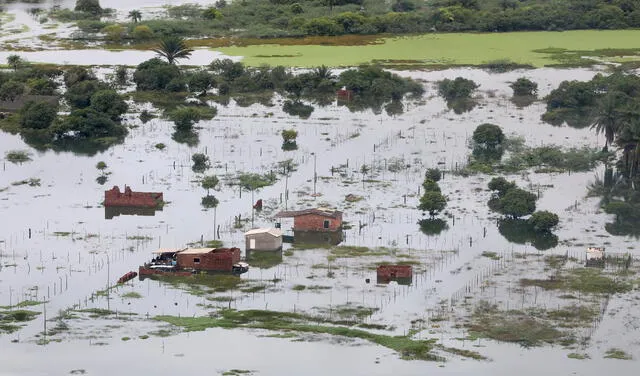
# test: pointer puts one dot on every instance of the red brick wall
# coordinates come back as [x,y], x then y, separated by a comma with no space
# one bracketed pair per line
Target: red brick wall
[395,271]
[220,260]
[314,222]
[114,197]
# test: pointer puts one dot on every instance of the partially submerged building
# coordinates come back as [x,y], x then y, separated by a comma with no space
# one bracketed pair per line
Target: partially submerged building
[263,239]
[129,198]
[317,220]
[187,261]
[402,274]
[595,257]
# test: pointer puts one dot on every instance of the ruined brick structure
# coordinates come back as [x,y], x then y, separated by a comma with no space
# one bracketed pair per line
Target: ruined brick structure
[114,197]
[403,274]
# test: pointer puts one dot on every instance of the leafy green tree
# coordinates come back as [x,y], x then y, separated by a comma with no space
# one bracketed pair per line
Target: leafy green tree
[11,90]
[209,201]
[76,74]
[38,115]
[200,162]
[142,32]
[154,74]
[79,95]
[211,13]
[101,166]
[434,174]
[289,135]
[517,203]
[185,117]
[173,48]
[87,123]
[110,103]
[432,202]
[209,182]
[89,6]
[459,88]
[42,86]
[227,69]
[430,185]
[501,185]
[15,62]
[543,221]
[121,75]
[488,135]
[200,82]
[524,87]
[135,16]
[114,32]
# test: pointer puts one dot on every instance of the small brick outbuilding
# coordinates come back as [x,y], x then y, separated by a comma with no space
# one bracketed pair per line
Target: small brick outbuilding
[114,197]
[318,220]
[209,259]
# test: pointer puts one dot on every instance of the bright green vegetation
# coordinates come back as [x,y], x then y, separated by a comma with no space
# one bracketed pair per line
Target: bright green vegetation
[444,50]
[617,354]
[348,251]
[491,255]
[286,321]
[131,295]
[126,338]
[586,280]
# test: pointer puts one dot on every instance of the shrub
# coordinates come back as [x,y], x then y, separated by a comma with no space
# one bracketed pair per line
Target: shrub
[289,135]
[430,186]
[185,117]
[154,74]
[432,202]
[543,221]
[488,135]
[501,185]
[114,32]
[142,32]
[434,174]
[524,87]
[38,115]
[459,88]
[89,6]
[110,103]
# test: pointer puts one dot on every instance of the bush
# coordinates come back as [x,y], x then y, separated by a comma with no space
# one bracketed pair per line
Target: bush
[460,88]
[501,185]
[432,202]
[430,186]
[200,162]
[114,32]
[110,103]
[488,135]
[79,95]
[543,221]
[89,6]
[517,203]
[434,174]
[289,135]
[155,74]
[524,87]
[185,117]
[142,32]
[38,115]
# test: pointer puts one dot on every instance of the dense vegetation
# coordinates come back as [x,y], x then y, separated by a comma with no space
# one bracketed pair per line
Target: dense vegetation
[279,18]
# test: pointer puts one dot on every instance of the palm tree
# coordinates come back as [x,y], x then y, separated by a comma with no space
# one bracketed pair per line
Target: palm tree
[323,73]
[608,116]
[173,48]
[135,16]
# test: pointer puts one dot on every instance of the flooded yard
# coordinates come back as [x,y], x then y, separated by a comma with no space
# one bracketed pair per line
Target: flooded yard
[477,302]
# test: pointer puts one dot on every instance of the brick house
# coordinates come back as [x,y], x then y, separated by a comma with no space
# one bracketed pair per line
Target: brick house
[208,259]
[114,197]
[317,220]
[402,274]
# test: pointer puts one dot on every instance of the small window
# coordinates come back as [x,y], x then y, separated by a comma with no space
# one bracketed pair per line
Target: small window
[326,223]
[196,260]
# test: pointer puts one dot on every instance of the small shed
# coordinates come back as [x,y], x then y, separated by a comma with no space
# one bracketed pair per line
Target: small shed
[208,259]
[319,219]
[402,274]
[263,239]
[595,256]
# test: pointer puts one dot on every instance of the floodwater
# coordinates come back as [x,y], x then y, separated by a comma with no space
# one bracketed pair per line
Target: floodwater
[56,245]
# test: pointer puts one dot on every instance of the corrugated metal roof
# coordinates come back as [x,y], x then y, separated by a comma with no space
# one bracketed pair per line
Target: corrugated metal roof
[272,231]
[160,251]
[196,251]
[324,212]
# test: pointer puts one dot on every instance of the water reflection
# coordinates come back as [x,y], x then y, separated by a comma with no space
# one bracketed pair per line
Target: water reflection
[114,211]
[433,226]
[320,238]
[521,232]
[264,259]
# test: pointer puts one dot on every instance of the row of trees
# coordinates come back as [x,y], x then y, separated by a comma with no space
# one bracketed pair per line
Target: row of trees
[275,18]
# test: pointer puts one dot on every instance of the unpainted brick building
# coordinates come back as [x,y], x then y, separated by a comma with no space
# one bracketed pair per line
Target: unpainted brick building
[129,198]
[208,259]
[318,220]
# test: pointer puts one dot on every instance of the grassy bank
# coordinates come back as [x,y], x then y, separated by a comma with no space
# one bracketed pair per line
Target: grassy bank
[436,50]
[286,321]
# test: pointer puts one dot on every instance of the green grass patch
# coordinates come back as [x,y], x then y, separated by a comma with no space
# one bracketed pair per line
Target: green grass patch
[435,50]
[615,353]
[585,280]
[577,356]
[298,287]
[17,156]
[463,352]
[23,304]
[131,295]
[286,321]
[491,255]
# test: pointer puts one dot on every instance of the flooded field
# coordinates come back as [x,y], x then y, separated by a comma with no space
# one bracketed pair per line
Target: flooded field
[60,257]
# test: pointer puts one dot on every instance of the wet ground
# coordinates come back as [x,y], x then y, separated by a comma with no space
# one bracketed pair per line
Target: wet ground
[74,253]
[57,247]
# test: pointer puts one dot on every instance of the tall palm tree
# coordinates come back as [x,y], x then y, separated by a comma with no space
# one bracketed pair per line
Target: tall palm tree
[323,73]
[608,116]
[173,48]
[135,16]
